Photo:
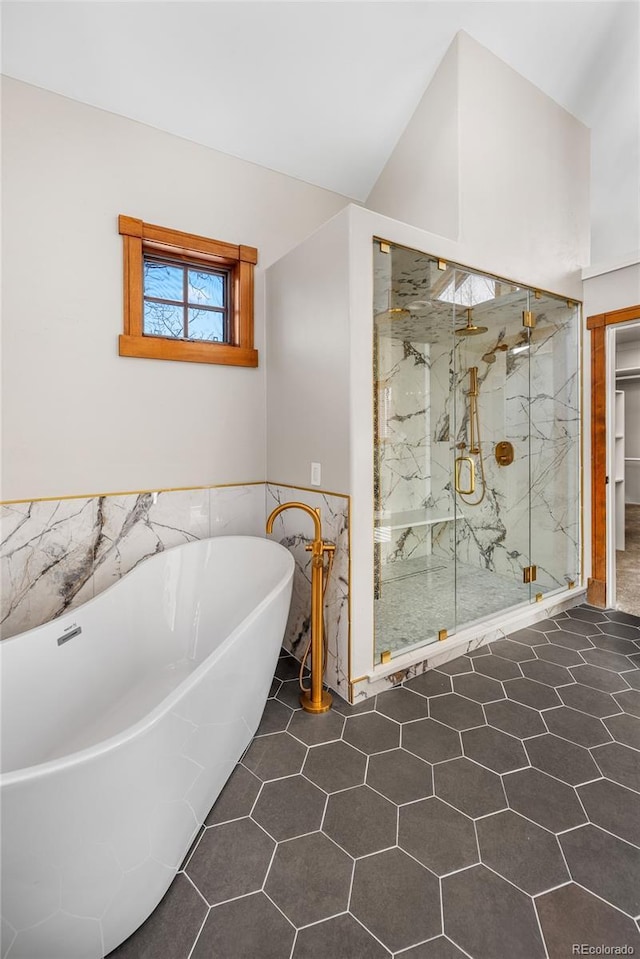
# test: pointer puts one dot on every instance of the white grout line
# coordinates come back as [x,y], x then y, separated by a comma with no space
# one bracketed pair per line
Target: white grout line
[195,942]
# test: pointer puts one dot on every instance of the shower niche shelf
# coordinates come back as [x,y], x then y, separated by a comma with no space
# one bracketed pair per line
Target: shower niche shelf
[385,519]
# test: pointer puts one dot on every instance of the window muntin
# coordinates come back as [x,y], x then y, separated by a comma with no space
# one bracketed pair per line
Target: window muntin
[183,301]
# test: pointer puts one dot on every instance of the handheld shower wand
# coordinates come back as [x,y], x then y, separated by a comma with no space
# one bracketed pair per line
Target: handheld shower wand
[475,448]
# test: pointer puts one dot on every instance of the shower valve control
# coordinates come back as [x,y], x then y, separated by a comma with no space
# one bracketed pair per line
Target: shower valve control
[504,453]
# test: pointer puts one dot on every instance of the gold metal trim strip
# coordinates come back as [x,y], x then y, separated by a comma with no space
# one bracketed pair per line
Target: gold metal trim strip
[130,492]
[308,489]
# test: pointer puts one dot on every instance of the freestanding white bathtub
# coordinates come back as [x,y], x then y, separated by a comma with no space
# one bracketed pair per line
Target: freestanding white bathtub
[117,740]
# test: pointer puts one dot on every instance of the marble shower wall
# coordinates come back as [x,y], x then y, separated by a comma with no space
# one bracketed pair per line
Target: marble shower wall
[530,397]
[294,529]
[55,555]
[403,451]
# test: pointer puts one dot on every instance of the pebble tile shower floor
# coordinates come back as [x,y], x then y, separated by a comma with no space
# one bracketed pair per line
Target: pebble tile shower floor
[489,809]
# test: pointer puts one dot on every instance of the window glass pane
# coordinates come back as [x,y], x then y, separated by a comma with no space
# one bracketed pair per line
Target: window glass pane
[206,288]
[163,319]
[206,325]
[165,282]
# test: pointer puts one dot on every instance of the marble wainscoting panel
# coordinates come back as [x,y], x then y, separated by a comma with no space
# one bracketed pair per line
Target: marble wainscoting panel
[294,529]
[46,560]
[55,555]
[237,510]
[134,527]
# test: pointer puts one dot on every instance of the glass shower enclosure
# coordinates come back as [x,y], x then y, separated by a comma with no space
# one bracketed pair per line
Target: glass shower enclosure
[476,447]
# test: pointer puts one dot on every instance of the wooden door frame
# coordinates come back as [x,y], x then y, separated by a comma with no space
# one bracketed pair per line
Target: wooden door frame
[597,582]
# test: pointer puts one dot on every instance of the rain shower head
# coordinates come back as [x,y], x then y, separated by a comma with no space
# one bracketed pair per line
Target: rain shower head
[471,329]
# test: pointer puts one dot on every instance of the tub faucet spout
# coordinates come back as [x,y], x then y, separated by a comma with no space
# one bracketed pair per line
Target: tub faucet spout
[316,700]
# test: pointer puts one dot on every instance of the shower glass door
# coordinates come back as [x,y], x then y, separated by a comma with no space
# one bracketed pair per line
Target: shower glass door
[490,365]
[554,453]
[476,447]
[414,518]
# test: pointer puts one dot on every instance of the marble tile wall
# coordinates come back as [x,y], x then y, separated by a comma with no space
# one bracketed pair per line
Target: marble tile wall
[55,555]
[294,529]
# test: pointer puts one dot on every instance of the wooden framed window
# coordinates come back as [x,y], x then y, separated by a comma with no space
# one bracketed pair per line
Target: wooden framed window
[186,297]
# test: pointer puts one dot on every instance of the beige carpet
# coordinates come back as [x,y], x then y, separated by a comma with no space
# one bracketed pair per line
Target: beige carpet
[628,564]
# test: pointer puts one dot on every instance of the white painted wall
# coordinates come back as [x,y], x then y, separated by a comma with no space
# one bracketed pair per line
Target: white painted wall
[77,418]
[308,360]
[517,165]
[420,181]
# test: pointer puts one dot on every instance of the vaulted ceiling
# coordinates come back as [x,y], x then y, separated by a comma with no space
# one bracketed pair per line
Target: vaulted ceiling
[323,90]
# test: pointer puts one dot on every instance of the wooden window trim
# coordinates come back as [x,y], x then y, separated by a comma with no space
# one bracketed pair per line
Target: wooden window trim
[140,238]
[597,324]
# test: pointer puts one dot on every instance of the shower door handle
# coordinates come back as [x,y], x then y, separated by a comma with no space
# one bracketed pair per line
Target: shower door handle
[472,475]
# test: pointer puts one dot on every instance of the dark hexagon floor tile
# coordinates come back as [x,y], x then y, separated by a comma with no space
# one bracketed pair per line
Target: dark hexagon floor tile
[402,705]
[633,678]
[341,706]
[504,926]
[236,799]
[431,740]
[396,899]
[629,700]
[588,700]
[544,626]
[231,860]
[604,865]
[614,644]
[244,929]
[481,689]
[514,718]
[548,673]
[521,852]
[275,718]
[527,636]
[560,655]
[612,807]
[309,879]
[622,630]
[587,614]
[497,668]
[469,787]
[440,837]
[289,694]
[544,800]
[527,692]
[625,729]
[617,616]
[571,915]
[172,927]
[456,711]
[361,821]
[275,756]
[619,763]
[400,776]
[495,749]
[606,660]
[371,733]
[570,640]
[564,760]
[440,948]
[335,766]
[288,668]
[478,651]
[289,807]
[431,683]
[275,686]
[576,726]
[581,628]
[313,729]
[634,660]
[454,667]
[516,652]
[336,937]
[598,678]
